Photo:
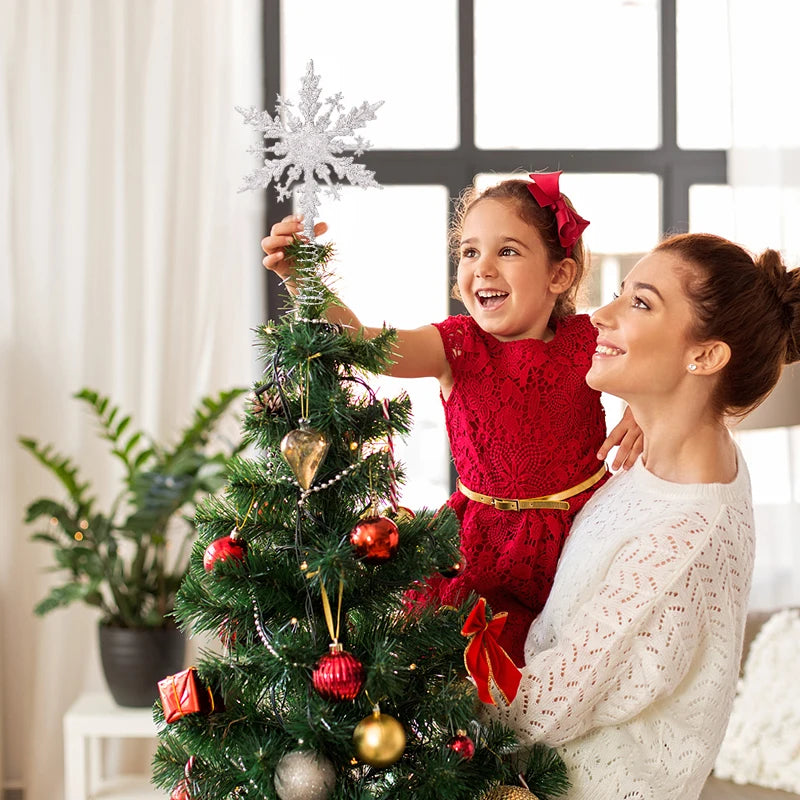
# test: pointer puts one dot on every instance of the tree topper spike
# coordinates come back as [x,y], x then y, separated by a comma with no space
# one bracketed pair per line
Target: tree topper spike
[307,145]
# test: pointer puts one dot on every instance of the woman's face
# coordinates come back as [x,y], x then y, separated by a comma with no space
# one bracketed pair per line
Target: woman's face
[643,343]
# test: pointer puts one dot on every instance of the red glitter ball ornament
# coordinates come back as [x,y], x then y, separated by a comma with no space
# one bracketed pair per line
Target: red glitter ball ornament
[463,745]
[375,539]
[338,675]
[222,549]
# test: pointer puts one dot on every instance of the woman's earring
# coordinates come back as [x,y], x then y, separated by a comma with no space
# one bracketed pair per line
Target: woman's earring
[692,367]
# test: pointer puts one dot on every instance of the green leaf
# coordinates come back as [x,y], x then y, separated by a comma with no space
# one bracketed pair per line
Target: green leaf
[45,537]
[142,458]
[61,596]
[112,430]
[45,507]
[63,469]
[132,442]
[122,425]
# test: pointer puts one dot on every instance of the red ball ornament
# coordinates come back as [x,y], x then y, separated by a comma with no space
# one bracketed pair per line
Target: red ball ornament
[375,539]
[454,571]
[338,675]
[463,745]
[222,549]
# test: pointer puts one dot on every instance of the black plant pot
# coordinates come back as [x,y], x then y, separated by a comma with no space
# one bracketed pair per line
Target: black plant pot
[136,659]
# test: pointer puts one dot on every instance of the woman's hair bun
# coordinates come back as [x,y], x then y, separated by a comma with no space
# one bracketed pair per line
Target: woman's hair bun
[786,284]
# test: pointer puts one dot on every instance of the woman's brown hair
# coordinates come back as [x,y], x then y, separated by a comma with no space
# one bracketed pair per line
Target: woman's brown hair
[515,193]
[753,305]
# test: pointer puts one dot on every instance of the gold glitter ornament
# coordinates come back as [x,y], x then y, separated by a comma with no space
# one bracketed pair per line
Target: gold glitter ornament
[509,793]
[379,739]
[304,449]
[304,775]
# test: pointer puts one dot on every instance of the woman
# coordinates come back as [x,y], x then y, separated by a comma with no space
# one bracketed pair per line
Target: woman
[631,666]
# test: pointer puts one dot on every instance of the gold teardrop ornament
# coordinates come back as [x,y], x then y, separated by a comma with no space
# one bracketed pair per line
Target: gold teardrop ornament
[304,450]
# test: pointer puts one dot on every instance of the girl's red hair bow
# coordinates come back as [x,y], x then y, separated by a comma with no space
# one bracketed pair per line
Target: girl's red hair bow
[547,194]
[485,660]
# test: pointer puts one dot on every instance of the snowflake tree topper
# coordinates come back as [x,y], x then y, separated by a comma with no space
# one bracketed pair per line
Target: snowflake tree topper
[308,146]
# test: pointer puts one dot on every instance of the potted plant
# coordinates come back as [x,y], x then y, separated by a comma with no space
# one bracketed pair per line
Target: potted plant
[128,561]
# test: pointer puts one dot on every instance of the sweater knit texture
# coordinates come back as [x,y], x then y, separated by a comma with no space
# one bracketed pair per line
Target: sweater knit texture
[522,423]
[631,667]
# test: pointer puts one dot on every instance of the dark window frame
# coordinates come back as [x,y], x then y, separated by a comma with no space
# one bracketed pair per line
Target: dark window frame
[677,168]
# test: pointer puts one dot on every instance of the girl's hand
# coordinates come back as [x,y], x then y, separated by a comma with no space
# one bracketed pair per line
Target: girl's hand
[283,233]
[628,435]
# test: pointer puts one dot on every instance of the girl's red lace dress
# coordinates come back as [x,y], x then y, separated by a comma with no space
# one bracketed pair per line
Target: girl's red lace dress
[522,423]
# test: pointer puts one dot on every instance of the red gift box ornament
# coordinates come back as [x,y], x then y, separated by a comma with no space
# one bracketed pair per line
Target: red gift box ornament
[485,660]
[183,694]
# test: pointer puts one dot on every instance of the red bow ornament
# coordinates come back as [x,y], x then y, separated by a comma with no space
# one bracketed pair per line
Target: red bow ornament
[485,660]
[547,194]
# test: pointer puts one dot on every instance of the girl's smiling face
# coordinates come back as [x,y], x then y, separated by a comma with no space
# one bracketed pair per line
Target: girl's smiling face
[644,345]
[505,279]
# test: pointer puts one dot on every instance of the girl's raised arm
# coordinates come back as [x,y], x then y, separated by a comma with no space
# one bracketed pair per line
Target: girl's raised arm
[419,353]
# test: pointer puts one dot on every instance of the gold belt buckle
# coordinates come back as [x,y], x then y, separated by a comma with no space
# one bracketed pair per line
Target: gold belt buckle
[505,505]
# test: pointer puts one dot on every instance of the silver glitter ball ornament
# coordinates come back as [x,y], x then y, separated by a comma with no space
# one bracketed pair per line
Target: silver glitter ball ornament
[304,775]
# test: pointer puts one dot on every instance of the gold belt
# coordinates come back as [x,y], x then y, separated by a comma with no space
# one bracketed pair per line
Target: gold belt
[556,500]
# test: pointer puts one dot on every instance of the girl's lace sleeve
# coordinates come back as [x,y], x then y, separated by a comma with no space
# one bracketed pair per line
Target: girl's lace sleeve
[636,637]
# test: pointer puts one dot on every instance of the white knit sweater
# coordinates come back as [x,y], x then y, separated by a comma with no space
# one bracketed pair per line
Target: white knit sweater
[631,666]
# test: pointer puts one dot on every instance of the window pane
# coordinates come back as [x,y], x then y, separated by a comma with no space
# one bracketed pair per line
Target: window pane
[755,216]
[624,209]
[373,52]
[704,74]
[711,210]
[762,450]
[543,81]
[404,285]
[765,73]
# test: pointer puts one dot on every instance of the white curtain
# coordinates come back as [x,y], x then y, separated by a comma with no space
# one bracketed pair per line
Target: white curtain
[128,263]
[764,173]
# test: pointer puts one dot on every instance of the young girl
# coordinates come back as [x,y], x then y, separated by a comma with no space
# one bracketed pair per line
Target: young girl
[525,430]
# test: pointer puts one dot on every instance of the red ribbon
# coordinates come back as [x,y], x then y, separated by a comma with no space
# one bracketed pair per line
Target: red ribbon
[547,194]
[484,659]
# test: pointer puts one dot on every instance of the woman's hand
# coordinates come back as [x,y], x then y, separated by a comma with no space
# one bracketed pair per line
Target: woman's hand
[282,234]
[628,435]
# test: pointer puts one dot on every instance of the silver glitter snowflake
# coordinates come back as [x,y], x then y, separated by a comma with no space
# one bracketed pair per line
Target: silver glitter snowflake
[308,146]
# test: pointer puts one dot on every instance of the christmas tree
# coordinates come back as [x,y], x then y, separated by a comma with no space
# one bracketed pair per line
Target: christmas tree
[330,684]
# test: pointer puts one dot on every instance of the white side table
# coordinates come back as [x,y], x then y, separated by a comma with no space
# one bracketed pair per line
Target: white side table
[92,718]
